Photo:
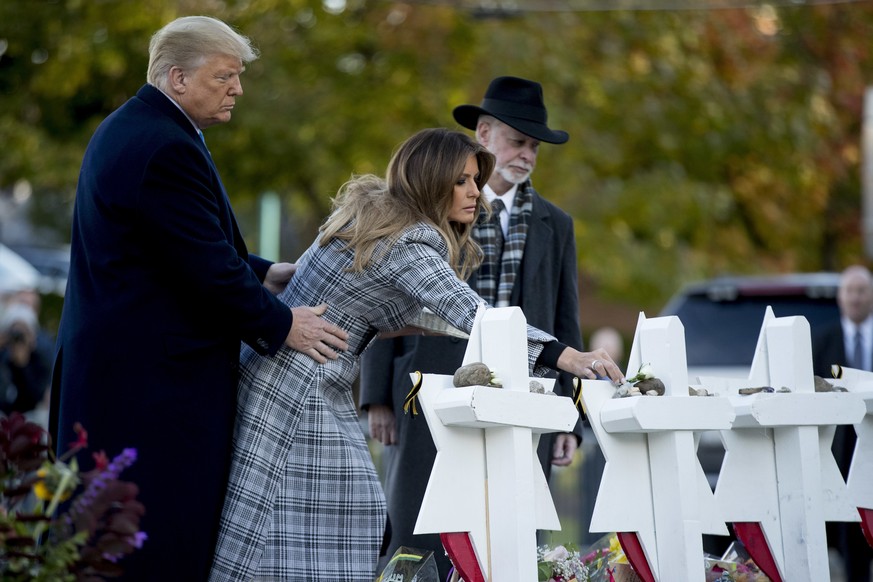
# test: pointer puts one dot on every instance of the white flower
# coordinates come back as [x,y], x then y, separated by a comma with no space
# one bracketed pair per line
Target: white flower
[559,553]
[646,372]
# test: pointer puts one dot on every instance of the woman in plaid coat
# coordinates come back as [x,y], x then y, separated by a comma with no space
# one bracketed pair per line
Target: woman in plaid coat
[304,501]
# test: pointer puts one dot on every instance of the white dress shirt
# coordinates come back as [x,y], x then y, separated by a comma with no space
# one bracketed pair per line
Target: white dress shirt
[508,199]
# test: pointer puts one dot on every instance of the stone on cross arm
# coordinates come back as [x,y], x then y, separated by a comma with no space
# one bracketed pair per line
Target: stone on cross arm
[475,374]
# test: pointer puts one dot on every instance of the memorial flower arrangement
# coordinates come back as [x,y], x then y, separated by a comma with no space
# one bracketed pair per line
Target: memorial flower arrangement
[601,562]
[605,561]
[560,564]
[58,524]
[735,565]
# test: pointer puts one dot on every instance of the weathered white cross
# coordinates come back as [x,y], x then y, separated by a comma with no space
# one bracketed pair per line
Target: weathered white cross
[778,469]
[487,479]
[653,484]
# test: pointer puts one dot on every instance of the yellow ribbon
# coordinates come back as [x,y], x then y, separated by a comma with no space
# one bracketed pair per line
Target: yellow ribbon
[410,398]
[577,397]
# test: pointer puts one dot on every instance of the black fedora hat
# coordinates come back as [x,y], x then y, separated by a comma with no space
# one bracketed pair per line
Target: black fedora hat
[516,102]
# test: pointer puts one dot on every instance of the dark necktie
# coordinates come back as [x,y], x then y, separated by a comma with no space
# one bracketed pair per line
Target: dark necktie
[497,207]
[858,348]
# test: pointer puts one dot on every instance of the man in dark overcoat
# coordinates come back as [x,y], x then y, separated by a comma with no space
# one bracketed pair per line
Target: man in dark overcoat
[161,291]
[530,262]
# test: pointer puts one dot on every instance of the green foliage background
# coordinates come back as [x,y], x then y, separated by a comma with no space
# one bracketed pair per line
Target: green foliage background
[702,141]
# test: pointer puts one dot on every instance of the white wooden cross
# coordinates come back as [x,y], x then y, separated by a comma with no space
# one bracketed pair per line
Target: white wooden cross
[778,469]
[653,483]
[487,479]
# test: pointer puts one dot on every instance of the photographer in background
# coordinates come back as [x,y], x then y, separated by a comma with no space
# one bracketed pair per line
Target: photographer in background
[26,354]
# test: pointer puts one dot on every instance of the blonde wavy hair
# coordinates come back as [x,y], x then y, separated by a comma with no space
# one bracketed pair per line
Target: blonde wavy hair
[419,187]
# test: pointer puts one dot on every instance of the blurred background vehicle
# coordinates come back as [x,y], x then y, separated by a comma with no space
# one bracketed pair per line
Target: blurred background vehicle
[52,264]
[16,273]
[722,316]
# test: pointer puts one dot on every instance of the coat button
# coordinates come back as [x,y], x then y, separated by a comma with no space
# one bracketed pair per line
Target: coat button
[262,343]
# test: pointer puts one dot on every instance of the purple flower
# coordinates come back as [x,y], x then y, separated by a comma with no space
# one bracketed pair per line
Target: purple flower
[137,539]
[110,473]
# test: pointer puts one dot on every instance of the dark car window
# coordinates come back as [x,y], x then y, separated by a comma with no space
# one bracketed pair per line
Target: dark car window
[724,333]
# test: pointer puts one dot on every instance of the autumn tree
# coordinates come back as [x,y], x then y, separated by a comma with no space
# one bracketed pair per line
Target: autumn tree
[702,141]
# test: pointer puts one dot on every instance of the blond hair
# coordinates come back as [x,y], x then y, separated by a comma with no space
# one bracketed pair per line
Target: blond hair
[186,43]
[420,183]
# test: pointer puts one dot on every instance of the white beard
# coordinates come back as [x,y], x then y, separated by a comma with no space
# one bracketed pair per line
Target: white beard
[513,177]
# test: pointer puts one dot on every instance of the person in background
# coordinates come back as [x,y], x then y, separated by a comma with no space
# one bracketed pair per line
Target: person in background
[26,354]
[848,342]
[161,291]
[535,269]
[45,346]
[609,339]
[304,501]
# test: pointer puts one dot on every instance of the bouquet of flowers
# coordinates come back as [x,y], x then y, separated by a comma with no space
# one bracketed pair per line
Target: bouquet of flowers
[603,561]
[735,565]
[560,564]
[85,540]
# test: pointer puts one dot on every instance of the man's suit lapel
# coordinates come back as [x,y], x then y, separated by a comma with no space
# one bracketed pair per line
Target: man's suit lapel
[224,200]
[227,218]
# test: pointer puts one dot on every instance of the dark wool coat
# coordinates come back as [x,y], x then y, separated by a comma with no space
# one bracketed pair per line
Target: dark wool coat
[828,347]
[160,293]
[546,289]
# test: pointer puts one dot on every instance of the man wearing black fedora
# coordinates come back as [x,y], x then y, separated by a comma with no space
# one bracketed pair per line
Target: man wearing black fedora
[530,261]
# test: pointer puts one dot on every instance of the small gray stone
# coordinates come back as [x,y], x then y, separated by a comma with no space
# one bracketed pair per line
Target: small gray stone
[822,385]
[650,384]
[748,391]
[475,374]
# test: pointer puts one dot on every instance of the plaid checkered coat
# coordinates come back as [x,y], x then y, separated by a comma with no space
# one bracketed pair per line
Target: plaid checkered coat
[304,501]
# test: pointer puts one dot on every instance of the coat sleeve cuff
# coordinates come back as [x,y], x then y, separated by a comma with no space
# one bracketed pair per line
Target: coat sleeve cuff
[550,354]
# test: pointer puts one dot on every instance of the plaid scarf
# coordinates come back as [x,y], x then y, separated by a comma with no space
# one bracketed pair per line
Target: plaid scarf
[500,265]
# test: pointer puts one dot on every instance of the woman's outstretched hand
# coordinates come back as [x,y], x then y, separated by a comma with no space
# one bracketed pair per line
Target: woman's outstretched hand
[596,365]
